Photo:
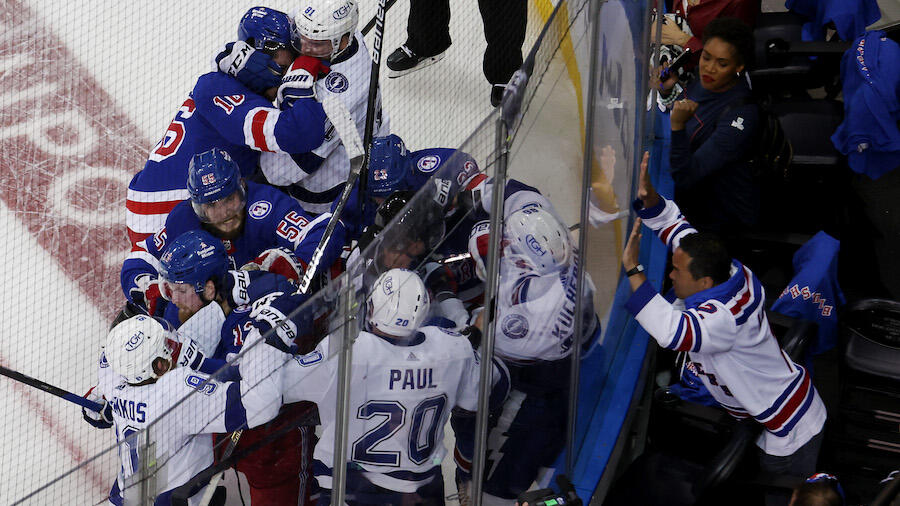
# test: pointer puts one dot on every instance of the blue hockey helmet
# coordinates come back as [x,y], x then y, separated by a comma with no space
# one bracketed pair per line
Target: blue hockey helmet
[267,29]
[213,176]
[388,166]
[193,258]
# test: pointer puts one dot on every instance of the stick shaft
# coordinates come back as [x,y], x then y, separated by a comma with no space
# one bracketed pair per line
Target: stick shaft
[50,389]
[358,165]
[369,132]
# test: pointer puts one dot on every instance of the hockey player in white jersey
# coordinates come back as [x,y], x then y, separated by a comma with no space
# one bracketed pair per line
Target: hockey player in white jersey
[535,336]
[406,379]
[327,30]
[176,409]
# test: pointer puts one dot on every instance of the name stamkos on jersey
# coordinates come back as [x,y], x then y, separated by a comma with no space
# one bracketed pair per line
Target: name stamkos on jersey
[259,209]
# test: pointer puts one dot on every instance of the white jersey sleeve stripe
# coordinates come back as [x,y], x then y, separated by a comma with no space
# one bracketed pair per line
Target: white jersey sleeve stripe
[157,196]
[259,129]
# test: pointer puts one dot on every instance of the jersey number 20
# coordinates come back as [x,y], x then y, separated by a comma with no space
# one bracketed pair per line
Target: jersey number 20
[422,440]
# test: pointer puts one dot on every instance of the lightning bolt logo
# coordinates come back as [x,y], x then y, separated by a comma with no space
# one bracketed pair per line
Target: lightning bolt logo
[498,436]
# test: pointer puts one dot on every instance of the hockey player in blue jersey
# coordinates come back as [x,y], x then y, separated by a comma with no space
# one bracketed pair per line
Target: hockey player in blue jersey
[231,108]
[195,266]
[248,218]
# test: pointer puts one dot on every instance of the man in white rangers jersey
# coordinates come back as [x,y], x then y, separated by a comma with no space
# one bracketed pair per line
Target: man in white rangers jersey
[535,335]
[176,408]
[723,327]
[406,379]
[327,30]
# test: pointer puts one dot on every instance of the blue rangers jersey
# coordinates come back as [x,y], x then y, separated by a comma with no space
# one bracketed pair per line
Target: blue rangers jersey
[178,413]
[272,219]
[219,113]
[727,337]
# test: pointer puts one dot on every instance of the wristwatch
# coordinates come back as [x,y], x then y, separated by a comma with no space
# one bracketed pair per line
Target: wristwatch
[637,269]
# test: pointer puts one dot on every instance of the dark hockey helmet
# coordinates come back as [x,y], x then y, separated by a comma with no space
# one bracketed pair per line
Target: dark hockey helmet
[267,29]
[213,176]
[193,258]
[388,166]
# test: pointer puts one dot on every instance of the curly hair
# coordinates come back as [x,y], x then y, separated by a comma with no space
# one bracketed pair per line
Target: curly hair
[735,32]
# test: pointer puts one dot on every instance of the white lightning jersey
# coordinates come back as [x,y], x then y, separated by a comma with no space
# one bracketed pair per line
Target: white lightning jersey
[536,314]
[400,401]
[348,81]
[180,411]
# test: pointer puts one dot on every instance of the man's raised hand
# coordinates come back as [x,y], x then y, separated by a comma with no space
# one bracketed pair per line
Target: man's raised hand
[646,192]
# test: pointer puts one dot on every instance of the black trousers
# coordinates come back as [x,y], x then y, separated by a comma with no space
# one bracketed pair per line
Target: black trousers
[428,33]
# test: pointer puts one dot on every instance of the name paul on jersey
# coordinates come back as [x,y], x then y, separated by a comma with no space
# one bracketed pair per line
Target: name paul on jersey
[411,379]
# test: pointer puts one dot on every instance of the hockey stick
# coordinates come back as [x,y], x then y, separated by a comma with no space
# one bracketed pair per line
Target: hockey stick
[346,128]
[50,389]
[214,482]
[373,95]
[371,23]
[357,149]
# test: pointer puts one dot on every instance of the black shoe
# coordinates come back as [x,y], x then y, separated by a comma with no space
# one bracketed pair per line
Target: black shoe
[497,94]
[403,61]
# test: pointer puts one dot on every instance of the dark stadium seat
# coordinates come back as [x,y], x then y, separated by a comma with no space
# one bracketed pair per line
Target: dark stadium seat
[782,58]
[864,439]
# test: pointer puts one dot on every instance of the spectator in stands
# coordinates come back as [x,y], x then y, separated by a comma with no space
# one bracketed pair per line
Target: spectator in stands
[820,489]
[714,128]
[720,322]
[698,14]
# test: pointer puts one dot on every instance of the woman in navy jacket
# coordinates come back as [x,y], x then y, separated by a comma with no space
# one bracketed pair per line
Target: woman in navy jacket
[714,129]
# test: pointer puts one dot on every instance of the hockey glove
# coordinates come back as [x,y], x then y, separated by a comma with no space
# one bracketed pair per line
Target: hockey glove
[254,69]
[192,356]
[278,260]
[150,294]
[270,318]
[102,419]
[300,80]
[440,281]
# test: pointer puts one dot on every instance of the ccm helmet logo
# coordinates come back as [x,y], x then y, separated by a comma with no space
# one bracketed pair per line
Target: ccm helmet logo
[134,342]
[341,12]
[534,245]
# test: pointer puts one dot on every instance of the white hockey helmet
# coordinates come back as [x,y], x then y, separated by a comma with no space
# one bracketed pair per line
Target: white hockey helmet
[321,24]
[134,344]
[398,303]
[535,234]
